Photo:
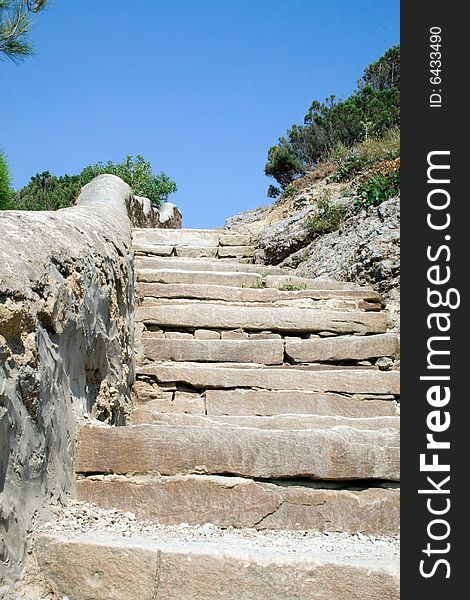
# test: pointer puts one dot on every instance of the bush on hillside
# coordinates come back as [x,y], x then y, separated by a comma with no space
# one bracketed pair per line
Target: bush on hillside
[48,192]
[380,186]
[328,217]
[366,154]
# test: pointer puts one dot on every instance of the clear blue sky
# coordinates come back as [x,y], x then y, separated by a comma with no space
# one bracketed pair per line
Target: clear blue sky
[201,88]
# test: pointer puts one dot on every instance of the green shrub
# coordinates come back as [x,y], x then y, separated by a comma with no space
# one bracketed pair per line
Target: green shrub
[138,174]
[328,217]
[378,188]
[282,164]
[273,191]
[48,192]
[289,287]
[5,189]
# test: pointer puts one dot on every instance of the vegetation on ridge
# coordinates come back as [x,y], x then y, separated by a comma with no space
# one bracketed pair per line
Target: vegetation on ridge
[48,192]
[336,127]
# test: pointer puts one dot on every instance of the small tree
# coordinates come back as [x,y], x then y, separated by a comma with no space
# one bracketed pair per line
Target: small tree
[15,25]
[282,164]
[5,190]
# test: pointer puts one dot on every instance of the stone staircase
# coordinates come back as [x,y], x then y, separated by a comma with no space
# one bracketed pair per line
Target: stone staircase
[262,401]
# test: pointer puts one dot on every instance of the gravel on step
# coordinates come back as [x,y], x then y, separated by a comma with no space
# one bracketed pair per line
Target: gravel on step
[80,518]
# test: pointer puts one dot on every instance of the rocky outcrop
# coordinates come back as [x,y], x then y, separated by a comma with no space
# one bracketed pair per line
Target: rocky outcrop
[365,249]
[143,214]
[66,346]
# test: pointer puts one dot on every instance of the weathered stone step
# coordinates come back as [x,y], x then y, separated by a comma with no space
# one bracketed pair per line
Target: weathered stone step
[195,238]
[99,566]
[341,348]
[207,278]
[229,294]
[265,318]
[346,381]
[281,422]
[332,304]
[220,252]
[257,402]
[207,265]
[267,352]
[267,403]
[239,502]
[181,237]
[322,453]
[235,251]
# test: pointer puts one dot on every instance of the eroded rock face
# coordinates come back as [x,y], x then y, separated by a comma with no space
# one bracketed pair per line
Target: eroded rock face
[66,346]
[366,249]
[285,237]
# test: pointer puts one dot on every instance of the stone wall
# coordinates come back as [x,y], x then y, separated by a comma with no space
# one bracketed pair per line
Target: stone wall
[66,346]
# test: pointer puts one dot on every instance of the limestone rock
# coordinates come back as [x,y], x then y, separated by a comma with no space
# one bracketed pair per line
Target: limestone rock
[267,352]
[170,216]
[219,316]
[336,453]
[172,569]
[238,502]
[345,381]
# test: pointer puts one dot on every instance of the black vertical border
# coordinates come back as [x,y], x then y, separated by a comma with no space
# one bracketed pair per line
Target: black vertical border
[425,129]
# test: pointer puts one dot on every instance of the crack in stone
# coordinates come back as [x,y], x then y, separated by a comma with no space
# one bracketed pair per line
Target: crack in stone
[158,569]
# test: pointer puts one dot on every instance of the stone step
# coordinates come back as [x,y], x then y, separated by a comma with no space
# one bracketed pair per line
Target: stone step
[341,452]
[214,376]
[194,251]
[267,403]
[332,304]
[266,318]
[341,348]
[208,265]
[236,251]
[287,281]
[293,422]
[219,278]
[266,295]
[267,352]
[239,402]
[186,564]
[181,237]
[238,502]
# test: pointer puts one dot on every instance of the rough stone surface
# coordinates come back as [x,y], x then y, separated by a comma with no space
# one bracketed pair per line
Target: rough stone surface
[230,294]
[66,346]
[182,237]
[176,276]
[207,265]
[206,334]
[326,453]
[346,381]
[156,250]
[196,252]
[238,502]
[267,403]
[366,249]
[217,567]
[207,315]
[341,348]
[170,216]
[230,239]
[286,236]
[267,352]
[235,251]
